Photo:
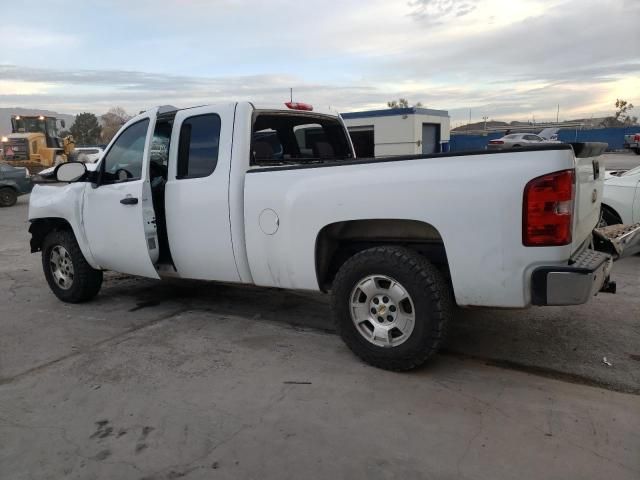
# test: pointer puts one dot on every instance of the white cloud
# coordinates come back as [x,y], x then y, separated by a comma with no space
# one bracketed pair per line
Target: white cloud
[503,58]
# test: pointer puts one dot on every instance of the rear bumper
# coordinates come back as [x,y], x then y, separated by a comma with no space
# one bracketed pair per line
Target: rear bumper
[573,284]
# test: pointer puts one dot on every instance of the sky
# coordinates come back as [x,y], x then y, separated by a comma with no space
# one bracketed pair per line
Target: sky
[504,59]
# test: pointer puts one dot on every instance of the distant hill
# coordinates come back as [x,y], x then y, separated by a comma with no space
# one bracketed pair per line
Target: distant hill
[480,126]
[6,113]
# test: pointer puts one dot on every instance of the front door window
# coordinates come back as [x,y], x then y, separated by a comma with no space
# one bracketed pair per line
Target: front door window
[123,162]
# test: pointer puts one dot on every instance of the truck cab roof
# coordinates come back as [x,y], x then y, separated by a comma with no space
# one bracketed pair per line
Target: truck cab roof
[169,109]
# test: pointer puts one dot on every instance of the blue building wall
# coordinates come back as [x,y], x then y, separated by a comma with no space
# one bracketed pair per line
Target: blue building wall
[613,136]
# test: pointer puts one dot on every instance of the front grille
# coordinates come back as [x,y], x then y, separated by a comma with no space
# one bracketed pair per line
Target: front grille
[16,149]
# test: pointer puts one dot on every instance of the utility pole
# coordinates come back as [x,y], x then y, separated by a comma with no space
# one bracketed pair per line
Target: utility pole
[558,114]
[291,94]
[469,124]
[485,118]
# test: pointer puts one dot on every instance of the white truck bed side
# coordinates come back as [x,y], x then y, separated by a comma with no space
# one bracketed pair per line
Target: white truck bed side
[474,201]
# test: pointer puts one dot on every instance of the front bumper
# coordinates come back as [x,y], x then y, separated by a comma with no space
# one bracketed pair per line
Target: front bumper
[574,284]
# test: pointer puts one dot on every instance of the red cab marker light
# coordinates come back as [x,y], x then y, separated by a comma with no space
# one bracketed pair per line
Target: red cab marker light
[299,106]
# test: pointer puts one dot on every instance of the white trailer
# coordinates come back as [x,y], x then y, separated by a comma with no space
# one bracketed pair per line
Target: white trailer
[398,131]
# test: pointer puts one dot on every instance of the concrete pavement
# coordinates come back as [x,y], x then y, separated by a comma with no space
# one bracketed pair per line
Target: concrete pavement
[166,380]
[626,160]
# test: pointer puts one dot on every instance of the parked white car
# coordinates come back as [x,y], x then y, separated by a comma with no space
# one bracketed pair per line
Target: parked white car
[275,197]
[621,200]
[519,140]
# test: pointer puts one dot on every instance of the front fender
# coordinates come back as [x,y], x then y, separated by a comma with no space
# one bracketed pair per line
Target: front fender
[48,205]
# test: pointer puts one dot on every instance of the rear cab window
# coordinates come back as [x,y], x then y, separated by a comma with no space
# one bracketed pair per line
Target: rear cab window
[297,138]
[198,147]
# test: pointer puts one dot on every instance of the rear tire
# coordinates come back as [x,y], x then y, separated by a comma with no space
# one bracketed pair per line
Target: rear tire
[68,274]
[8,197]
[412,303]
[637,151]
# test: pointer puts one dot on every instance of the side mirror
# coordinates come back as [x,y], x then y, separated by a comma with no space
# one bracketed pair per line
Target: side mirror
[70,171]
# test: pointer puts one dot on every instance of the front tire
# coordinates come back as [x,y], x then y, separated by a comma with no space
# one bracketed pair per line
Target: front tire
[391,307]
[68,274]
[8,197]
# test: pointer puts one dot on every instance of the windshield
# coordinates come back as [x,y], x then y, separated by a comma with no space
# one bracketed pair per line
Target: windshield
[27,125]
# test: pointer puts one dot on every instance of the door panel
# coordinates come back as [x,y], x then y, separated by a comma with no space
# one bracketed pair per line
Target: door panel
[430,138]
[197,194]
[118,214]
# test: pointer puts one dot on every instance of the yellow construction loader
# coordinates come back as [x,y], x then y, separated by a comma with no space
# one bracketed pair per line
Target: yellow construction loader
[34,143]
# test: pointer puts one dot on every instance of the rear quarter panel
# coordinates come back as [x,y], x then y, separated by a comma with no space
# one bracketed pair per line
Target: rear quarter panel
[474,201]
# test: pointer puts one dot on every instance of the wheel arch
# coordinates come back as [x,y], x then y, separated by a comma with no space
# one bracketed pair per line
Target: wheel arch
[337,242]
[612,210]
[41,227]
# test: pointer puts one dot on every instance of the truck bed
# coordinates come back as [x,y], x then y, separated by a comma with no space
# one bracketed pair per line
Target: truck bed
[473,200]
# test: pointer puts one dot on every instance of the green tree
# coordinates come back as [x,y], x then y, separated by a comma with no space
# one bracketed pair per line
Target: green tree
[401,103]
[86,129]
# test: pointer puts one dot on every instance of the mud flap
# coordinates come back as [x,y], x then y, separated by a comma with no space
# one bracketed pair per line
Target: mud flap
[617,240]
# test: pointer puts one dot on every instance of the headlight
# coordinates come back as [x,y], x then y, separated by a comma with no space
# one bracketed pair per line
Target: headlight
[5,139]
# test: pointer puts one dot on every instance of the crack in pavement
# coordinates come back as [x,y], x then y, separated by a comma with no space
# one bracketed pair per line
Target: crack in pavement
[82,351]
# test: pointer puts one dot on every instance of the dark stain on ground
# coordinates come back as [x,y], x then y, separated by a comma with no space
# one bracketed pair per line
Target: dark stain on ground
[141,445]
[172,474]
[147,304]
[103,429]
[634,356]
[103,454]
[145,432]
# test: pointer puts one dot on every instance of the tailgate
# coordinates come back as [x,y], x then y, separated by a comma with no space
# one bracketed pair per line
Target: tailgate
[589,185]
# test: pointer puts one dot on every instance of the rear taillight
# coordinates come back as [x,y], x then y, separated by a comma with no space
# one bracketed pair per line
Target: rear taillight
[496,142]
[548,210]
[636,138]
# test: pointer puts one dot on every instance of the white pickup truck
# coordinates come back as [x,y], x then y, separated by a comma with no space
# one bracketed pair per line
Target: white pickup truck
[275,197]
